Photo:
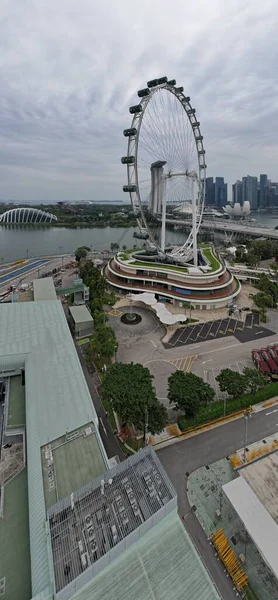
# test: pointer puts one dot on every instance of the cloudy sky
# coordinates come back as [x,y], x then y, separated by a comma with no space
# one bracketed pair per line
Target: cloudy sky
[70,70]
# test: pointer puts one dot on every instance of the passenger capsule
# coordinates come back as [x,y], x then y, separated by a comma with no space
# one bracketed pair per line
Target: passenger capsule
[130,132]
[143,93]
[187,98]
[162,80]
[140,236]
[127,160]
[203,166]
[199,138]
[129,188]
[135,109]
[191,111]
[201,152]
[196,124]
[152,83]
[179,89]
[172,82]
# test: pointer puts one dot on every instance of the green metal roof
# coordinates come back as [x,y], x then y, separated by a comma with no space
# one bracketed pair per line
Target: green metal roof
[44,289]
[162,565]
[81,314]
[57,399]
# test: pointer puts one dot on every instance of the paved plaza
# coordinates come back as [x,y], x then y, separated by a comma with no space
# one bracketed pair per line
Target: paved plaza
[142,343]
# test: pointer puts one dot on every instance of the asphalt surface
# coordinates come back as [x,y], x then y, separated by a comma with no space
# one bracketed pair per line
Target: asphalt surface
[189,455]
[245,331]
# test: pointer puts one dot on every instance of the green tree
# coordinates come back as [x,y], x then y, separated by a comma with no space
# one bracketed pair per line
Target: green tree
[124,247]
[188,391]
[132,395]
[263,300]
[100,318]
[254,379]
[81,252]
[103,342]
[231,382]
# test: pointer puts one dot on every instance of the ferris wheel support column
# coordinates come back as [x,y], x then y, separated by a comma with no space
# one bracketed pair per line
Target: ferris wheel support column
[194,225]
[163,223]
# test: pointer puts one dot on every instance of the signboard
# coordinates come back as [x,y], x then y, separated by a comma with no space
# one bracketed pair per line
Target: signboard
[77,282]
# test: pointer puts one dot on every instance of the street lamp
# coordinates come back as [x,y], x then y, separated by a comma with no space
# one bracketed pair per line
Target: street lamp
[27,253]
[246,417]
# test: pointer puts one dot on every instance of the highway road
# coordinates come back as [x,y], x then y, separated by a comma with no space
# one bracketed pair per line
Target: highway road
[231,226]
[198,451]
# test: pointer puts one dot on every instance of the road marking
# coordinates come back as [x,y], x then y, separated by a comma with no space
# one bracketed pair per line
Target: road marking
[258,332]
[193,347]
[206,361]
[103,425]
[153,344]
[272,411]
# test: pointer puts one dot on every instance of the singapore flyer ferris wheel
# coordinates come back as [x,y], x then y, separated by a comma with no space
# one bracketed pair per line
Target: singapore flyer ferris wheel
[165,162]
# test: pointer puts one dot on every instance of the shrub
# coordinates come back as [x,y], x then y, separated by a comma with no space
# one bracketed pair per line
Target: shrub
[215,410]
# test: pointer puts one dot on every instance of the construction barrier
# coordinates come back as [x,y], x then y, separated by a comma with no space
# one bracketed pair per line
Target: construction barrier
[229,559]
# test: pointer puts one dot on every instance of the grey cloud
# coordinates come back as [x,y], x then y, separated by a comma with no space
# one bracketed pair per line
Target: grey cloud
[70,72]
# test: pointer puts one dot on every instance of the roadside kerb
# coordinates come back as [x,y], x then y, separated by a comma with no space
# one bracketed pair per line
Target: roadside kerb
[190,432]
[201,428]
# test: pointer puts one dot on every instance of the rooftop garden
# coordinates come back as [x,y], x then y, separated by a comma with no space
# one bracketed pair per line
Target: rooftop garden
[154,265]
[208,253]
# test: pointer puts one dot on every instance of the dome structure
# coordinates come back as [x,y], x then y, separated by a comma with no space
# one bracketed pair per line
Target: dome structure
[26,215]
[237,209]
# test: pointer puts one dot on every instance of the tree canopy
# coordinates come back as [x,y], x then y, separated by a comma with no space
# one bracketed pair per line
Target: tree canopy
[130,390]
[103,341]
[255,380]
[232,382]
[188,391]
[81,252]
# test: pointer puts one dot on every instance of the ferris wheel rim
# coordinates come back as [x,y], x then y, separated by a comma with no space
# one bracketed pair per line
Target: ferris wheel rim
[132,169]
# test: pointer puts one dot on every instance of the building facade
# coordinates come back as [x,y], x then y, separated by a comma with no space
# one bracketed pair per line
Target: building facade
[263,191]
[220,192]
[237,192]
[250,191]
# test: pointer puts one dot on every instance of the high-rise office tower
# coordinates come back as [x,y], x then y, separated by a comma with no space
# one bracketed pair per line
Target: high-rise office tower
[220,192]
[263,191]
[210,193]
[237,192]
[250,191]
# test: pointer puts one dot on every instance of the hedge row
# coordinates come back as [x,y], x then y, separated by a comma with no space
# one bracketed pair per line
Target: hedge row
[216,409]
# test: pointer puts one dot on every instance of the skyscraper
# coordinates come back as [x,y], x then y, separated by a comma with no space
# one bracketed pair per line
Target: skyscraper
[263,191]
[237,192]
[220,192]
[250,191]
[210,193]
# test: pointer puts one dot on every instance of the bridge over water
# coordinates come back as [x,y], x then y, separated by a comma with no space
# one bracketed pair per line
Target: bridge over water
[231,227]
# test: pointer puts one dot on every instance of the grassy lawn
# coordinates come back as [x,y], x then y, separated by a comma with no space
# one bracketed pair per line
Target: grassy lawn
[14,536]
[16,415]
[214,262]
[158,266]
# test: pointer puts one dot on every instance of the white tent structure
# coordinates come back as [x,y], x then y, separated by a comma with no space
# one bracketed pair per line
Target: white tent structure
[164,315]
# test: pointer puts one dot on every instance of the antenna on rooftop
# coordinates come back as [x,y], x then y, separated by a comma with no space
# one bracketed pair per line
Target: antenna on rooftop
[72,501]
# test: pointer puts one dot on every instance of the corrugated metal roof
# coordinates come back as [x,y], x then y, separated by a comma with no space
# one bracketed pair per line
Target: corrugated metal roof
[80,314]
[57,398]
[44,289]
[162,564]
[256,519]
